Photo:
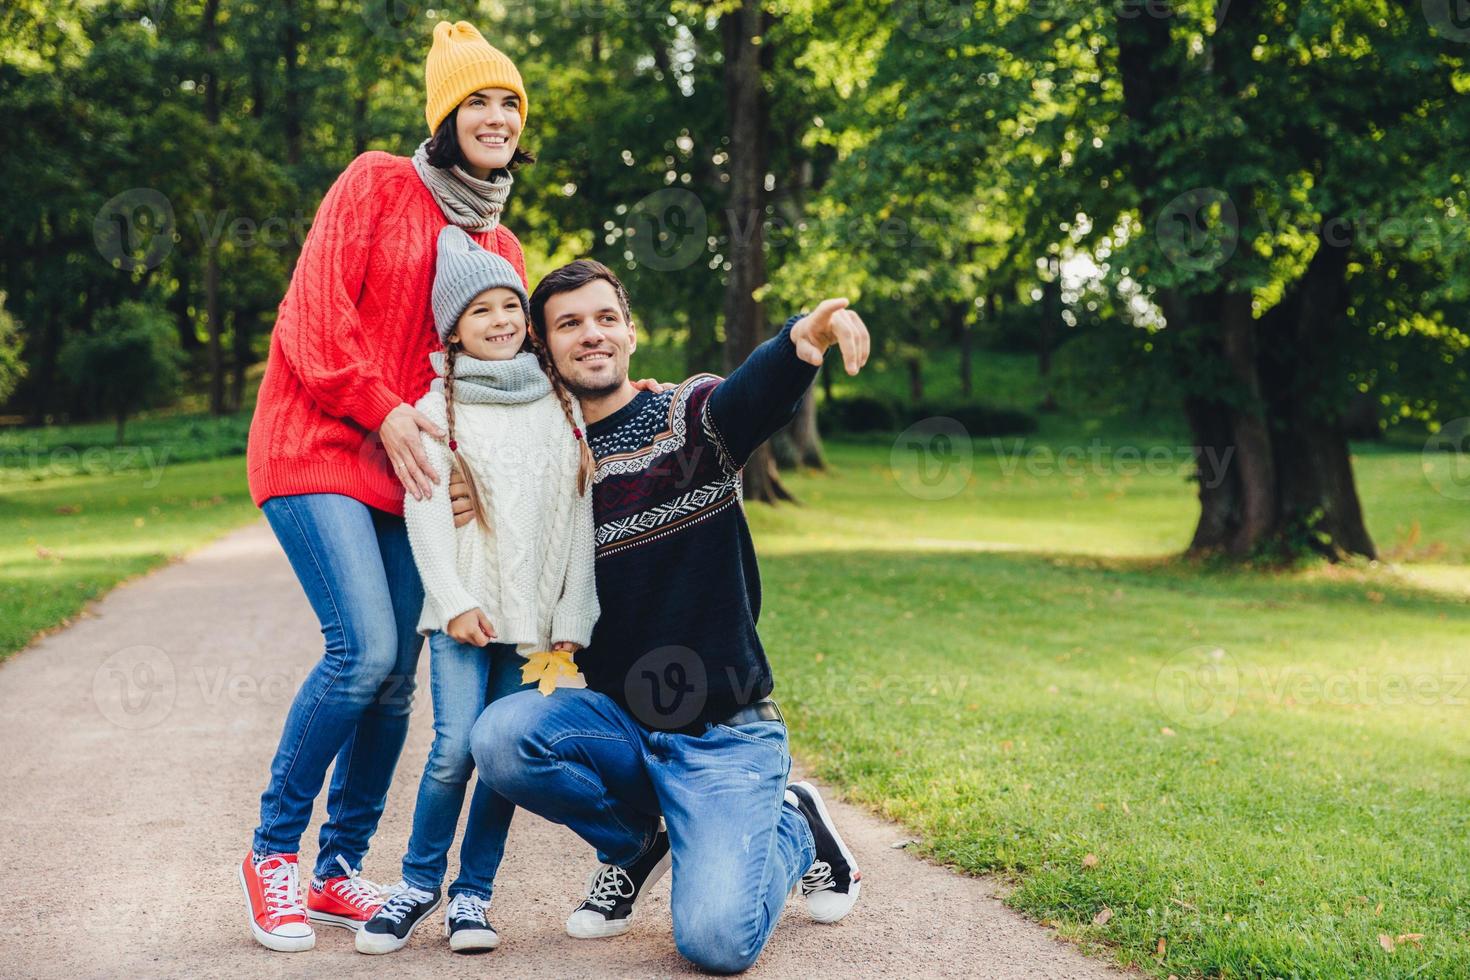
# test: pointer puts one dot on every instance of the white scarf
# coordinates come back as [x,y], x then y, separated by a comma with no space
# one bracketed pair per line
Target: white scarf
[469,202]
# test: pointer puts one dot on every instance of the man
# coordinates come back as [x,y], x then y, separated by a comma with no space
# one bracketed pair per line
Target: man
[675,722]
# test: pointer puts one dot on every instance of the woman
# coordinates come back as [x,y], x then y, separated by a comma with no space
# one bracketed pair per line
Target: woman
[334,445]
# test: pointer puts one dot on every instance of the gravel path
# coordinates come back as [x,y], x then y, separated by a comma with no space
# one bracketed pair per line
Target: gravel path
[135,747]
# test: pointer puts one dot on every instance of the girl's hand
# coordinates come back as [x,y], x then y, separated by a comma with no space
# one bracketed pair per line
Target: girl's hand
[649,384]
[566,645]
[400,435]
[471,627]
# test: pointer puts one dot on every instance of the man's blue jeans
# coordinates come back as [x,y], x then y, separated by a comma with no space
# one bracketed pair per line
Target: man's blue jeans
[355,564]
[579,759]
[464,679]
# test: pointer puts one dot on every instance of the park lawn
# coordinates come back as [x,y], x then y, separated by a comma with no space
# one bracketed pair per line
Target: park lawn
[65,540]
[1020,676]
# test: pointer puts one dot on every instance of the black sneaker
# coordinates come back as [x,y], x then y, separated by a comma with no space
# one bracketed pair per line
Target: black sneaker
[613,893]
[831,884]
[465,924]
[391,926]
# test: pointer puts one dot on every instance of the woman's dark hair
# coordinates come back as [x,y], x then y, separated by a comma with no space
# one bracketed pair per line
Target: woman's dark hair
[444,151]
[574,275]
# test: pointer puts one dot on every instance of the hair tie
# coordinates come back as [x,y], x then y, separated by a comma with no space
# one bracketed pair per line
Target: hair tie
[453,446]
[576,432]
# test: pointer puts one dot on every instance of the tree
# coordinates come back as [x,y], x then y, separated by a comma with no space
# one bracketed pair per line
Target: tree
[130,363]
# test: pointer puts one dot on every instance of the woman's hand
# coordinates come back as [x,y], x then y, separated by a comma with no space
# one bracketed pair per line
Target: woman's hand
[400,435]
[649,384]
[471,627]
[566,645]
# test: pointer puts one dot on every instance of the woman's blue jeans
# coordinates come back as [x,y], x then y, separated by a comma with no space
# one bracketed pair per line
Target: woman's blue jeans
[464,679]
[357,569]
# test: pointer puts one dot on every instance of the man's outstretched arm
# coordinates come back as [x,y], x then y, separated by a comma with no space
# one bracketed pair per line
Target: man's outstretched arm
[763,394]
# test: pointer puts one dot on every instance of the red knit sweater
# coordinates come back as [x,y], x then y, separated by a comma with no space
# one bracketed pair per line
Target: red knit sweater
[353,336]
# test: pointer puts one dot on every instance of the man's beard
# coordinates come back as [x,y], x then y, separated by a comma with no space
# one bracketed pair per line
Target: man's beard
[593,391]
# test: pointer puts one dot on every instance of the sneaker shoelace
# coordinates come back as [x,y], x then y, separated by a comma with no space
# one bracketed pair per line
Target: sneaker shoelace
[612,884]
[468,907]
[356,890]
[401,898]
[817,878]
[280,887]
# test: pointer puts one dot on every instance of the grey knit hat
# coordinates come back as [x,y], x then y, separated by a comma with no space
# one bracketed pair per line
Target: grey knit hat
[464,271]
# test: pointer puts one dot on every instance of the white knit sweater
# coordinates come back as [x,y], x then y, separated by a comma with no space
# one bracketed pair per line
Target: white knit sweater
[532,572]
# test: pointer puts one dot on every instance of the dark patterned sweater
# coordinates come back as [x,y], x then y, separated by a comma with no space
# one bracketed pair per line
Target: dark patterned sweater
[676,571]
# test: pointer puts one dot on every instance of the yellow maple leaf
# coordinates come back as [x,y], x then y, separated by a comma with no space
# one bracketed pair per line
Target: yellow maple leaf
[544,667]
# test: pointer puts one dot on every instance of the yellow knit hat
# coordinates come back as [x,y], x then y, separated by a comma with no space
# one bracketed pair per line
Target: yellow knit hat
[460,62]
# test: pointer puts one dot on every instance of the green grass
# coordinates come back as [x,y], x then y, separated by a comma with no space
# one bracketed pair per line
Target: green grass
[1008,662]
[1017,674]
[65,540]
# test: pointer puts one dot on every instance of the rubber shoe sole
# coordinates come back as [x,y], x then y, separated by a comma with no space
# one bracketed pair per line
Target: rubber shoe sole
[472,940]
[831,906]
[582,924]
[281,944]
[377,943]
[331,919]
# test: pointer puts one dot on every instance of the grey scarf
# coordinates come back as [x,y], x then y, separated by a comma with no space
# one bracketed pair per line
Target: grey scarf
[469,202]
[513,382]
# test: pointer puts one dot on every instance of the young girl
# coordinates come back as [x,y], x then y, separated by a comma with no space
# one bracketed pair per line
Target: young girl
[517,580]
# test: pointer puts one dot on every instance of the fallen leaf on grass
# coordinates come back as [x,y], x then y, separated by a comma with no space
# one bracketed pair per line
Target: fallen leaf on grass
[1102,917]
[1386,941]
[1412,938]
[899,844]
[66,509]
[1089,861]
[1159,950]
[1166,730]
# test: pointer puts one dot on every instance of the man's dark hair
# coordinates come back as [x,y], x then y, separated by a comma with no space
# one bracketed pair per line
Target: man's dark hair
[574,275]
[444,151]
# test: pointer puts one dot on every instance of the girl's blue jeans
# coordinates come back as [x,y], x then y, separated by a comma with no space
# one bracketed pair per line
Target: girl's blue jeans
[464,679]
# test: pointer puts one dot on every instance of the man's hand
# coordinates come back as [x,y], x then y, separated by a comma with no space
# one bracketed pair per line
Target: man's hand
[400,435]
[832,323]
[471,627]
[459,498]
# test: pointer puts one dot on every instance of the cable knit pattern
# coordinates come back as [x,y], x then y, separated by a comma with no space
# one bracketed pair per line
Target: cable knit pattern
[532,572]
[353,336]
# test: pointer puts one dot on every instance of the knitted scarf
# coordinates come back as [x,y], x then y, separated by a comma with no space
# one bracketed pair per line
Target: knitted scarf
[513,382]
[469,202]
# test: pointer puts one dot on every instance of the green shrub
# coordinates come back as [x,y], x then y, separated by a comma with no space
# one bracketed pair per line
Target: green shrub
[859,413]
[130,361]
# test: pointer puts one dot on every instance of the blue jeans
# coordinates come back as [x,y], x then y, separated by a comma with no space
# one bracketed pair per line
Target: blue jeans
[738,848]
[463,679]
[357,569]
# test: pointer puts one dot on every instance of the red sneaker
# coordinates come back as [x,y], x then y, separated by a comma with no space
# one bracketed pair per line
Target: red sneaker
[273,901]
[347,900]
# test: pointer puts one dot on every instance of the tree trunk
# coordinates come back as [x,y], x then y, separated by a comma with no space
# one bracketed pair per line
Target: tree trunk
[211,246]
[1046,334]
[805,440]
[914,365]
[122,419]
[744,321]
[967,343]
